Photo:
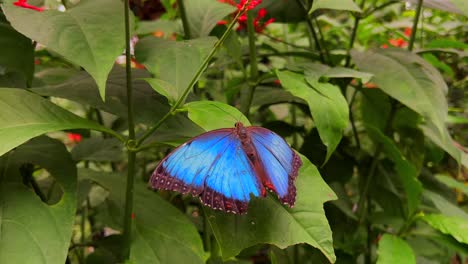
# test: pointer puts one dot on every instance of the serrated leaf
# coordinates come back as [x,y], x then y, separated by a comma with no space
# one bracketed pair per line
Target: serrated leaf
[204,14]
[267,221]
[162,234]
[32,231]
[211,115]
[335,4]
[91,34]
[25,115]
[393,249]
[173,62]
[450,225]
[327,105]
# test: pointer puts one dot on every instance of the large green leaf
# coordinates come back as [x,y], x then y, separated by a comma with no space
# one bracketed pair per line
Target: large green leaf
[393,249]
[32,231]
[204,14]
[409,79]
[443,140]
[149,106]
[98,149]
[405,169]
[17,52]
[173,62]
[24,115]
[161,234]
[91,34]
[335,4]
[327,105]
[211,115]
[446,207]
[267,221]
[451,225]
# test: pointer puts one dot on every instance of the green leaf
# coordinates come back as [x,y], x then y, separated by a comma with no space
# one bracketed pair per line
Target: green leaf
[162,234]
[204,14]
[25,115]
[17,52]
[165,89]
[32,231]
[405,169]
[446,207]
[211,115]
[98,149]
[442,139]
[341,72]
[167,27]
[267,221]
[91,34]
[454,226]
[393,249]
[420,86]
[452,183]
[335,4]
[327,105]
[173,62]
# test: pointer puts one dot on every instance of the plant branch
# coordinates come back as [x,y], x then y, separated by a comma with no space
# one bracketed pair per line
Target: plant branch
[195,78]
[183,16]
[127,221]
[382,6]
[353,122]
[357,19]
[415,25]
[245,104]
[312,34]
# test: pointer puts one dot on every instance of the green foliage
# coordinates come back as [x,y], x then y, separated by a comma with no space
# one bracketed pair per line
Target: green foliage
[380,129]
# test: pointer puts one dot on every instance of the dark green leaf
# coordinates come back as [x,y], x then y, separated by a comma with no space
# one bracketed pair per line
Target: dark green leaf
[98,149]
[17,53]
[25,115]
[32,231]
[162,234]
[267,221]
[90,35]
[204,14]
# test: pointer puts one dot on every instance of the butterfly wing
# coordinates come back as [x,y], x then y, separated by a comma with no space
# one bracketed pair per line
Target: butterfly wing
[212,166]
[279,163]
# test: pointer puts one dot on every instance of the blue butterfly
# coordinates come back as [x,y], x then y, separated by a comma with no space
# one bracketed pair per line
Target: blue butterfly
[225,166]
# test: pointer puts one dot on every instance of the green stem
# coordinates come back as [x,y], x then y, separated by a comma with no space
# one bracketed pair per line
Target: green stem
[245,105]
[353,122]
[352,40]
[312,34]
[183,16]
[127,221]
[415,25]
[195,78]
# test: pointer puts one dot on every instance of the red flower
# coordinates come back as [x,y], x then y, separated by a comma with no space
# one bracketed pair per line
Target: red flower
[242,20]
[24,4]
[408,31]
[74,137]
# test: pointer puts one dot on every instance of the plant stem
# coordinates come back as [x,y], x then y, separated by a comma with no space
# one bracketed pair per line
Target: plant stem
[245,104]
[127,221]
[312,34]
[353,122]
[195,78]
[357,19]
[183,16]
[415,25]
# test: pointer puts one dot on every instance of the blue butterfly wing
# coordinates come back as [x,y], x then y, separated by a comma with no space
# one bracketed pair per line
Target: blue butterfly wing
[279,163]
[212,166]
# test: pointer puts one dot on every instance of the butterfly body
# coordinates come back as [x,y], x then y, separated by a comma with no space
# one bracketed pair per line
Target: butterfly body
[224,167]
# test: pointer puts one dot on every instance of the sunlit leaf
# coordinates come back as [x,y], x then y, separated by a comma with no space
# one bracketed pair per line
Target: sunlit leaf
[393,249]
[454,226]
[213,115]
[335,4]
